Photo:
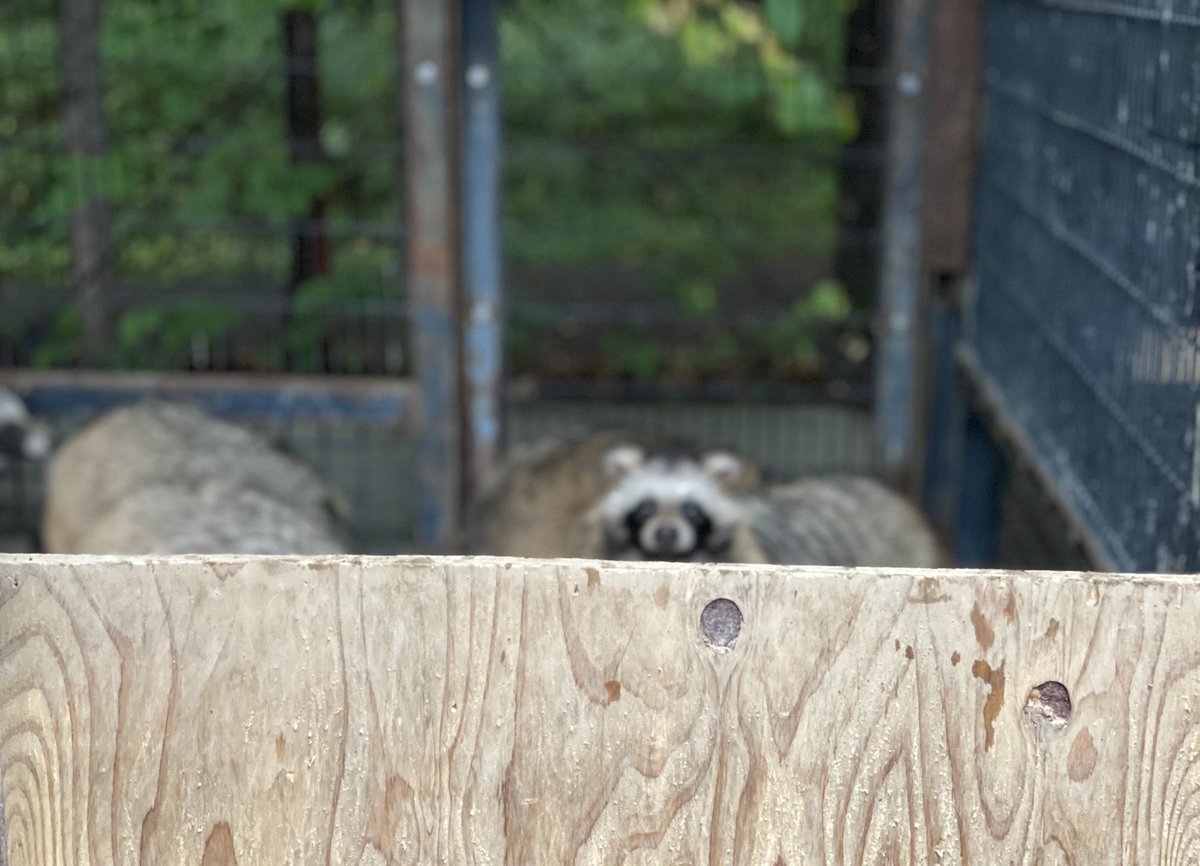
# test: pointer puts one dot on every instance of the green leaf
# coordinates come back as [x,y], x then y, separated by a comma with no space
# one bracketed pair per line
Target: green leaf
[786,19]
[696,296]
[828,300]
[62,345]
[704,42]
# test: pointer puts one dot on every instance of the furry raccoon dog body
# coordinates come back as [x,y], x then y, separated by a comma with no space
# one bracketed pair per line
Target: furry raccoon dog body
[166,478]
[541,502]
[670,508]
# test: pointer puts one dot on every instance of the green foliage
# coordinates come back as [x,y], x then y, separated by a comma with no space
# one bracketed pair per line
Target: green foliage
[198,152]
[59,349]
[618,149]
[672,143]
[146,337]
[785,18]
[322,305]
[682,152]
[636,356]
[165,336]
[792,338]
[796,43]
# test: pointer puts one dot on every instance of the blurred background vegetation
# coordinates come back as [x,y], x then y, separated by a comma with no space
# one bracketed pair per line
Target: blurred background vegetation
[670,189]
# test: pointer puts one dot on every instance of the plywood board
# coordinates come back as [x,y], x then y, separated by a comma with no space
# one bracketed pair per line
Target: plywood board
[420,710]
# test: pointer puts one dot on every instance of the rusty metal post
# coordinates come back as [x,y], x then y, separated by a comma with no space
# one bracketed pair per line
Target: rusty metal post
[85,134]
[860,197]
[896,353]
[951,126]
[310,246]
[952,118]
[310,242]
[482,283]
[430,32]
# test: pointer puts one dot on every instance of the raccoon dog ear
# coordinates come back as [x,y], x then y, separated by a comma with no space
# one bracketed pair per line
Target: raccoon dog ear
[725,468]
[622,460]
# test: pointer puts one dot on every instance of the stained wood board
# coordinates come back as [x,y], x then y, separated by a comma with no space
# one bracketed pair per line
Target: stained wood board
[451,710]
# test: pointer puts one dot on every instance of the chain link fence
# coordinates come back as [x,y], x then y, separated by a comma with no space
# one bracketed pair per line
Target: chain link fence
[1085,324]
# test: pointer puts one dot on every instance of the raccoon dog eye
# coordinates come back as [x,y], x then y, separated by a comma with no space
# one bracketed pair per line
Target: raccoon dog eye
[694,514]
[644,511]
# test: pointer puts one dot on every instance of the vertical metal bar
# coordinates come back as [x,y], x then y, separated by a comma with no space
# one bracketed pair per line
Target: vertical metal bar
[952,113]
[310,244]
[945,420]
[983,477]
[860,197]
[86,144]
[429,33]
[483,365]
[310,248]
[901,280]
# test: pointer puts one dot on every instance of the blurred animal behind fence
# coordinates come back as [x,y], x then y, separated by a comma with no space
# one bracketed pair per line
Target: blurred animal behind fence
[666,507]
[602,496]
[540,502]
[167,478]
[22,437]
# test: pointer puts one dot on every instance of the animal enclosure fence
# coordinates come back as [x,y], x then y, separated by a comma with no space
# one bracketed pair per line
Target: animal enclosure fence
[252,203]
[1082,337]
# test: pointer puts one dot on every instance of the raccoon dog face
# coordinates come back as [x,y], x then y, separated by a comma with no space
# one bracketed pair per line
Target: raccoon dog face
[667,507]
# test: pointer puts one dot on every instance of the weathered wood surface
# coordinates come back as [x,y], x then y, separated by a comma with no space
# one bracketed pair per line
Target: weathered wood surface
[486,711]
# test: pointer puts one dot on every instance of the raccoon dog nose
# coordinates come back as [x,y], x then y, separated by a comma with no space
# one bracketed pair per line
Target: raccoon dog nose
[666,536]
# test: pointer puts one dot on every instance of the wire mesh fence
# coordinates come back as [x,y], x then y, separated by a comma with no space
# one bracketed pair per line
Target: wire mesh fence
[686,200]
[209,193]
[671,201]
[1088,239]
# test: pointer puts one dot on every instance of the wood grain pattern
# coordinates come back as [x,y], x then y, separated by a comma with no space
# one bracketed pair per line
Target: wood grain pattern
[420,710]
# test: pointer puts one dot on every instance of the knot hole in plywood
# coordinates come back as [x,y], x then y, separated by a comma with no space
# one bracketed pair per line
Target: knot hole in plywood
[721,623]
[1048,707]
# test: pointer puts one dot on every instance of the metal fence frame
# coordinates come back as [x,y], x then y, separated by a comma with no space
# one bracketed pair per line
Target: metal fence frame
[451,107]
[983,424]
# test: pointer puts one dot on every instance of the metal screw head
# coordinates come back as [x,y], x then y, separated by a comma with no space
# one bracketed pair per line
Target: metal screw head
[426,73]
[908,83]
[478,76]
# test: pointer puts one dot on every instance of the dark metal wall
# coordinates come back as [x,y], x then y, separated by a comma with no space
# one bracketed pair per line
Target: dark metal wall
[1084,328]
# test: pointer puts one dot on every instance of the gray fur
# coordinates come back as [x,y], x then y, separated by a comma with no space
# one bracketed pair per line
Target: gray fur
[846,521]
[166,478]
[541,502]
[850,521]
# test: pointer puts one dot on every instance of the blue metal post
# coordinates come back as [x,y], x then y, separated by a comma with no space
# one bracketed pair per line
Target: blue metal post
[945,418]
[983,474]
[430,35]
[901,280]
[482,274]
